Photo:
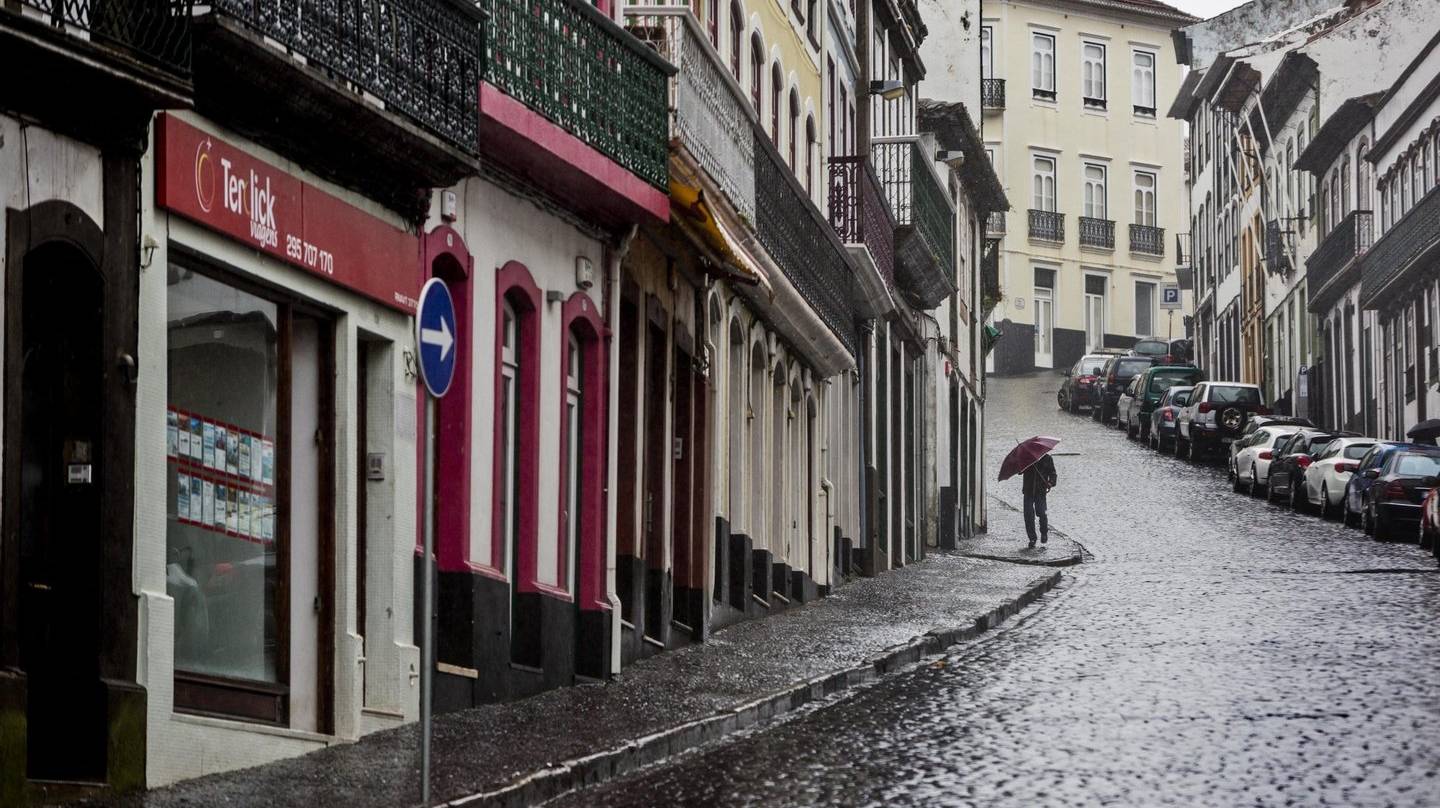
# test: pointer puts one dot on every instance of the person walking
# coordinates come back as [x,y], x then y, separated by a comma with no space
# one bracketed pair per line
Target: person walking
[1036,482]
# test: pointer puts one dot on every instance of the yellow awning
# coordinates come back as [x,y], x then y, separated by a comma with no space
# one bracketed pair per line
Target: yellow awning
[690,205]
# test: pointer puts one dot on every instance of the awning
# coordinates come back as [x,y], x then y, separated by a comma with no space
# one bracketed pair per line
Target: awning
[697,219]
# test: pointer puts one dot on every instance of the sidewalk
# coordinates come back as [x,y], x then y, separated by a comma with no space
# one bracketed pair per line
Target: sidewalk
[1006,541]
[526,751]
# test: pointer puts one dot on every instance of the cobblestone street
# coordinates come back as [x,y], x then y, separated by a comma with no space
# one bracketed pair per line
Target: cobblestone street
[1214,651]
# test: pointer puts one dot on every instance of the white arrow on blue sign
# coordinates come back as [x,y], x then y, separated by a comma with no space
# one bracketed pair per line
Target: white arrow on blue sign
[436,335]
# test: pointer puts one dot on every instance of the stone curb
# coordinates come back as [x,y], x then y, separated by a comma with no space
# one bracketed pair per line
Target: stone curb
[1064,561]
[599,767]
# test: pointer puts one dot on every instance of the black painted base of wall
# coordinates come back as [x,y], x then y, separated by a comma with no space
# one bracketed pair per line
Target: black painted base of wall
[630,586]
[780,581]
[1069,347]
[949,518]
[475,634]
[761,570]
[802,587]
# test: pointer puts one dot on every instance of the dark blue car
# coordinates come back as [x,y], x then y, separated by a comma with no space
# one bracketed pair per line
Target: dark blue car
[1354,503]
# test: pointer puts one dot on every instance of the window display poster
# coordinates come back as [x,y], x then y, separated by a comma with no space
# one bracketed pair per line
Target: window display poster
[268,463]
[256,473]
[222,440]
[209,459]
[257,517]
[232,510]
[172,433]
[182,496]
[182,436]
[196,449]
[244,460]
[220,500]
[196,513]
[232,451]
[242,522]
[207,514]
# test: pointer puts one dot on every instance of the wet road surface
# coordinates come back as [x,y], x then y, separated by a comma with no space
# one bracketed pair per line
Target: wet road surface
[1215,651]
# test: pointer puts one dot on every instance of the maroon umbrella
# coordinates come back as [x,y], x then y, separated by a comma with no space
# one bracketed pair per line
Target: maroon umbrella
[1024,455]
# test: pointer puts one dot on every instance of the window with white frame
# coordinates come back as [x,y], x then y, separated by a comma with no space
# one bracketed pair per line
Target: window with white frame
[1095,191]
[1092,74]
[1044,183]
[987,53]
[1042,66]
[1145,198]
[1145,302]
[1142,82]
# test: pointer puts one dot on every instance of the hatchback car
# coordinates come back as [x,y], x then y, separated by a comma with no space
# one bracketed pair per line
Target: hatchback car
[1326,477]
[1357,487]
[1132,412]
[1287,468]
[1162,436]
[1163,351]
[1392,502]
[1216,416]
[1117,375]
[1082,382]
[1250,467]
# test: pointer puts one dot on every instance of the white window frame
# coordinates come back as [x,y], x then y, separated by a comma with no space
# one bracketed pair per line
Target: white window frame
[1092,74]
[1042,64]
[1153,313]
[987,51]
[1042,169]
[510,382]
[572,482]
[1142,80]
[1141,195]
[1091,209]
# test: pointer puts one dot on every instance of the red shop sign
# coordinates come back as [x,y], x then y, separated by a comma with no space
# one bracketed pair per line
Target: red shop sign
[215,184]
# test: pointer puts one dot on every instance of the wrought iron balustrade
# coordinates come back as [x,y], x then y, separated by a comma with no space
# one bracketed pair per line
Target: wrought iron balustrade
[992,93]
[801,242]
[1147,240]
[420,57]
[859,212]
[1395,252]
[1337,253]
[153,31]
[710,114]
[1047,225]
[569,62]
[995,224]
[1097,233]
[921,205]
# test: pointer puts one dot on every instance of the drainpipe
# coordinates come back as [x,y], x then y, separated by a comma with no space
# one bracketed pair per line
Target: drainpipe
[610,292]
[867,531]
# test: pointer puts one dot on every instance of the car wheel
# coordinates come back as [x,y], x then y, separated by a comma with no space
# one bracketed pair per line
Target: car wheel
[1060,400]
[1195,451]
[1097,411]
[1131,432]
[1254,483]
[1177,444]
[1074,406]
[1349,517]
[1235,484]
[1297,497]
[1367,522]
[1326,512]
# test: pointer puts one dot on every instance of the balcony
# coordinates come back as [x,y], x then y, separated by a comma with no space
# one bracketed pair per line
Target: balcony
[1399,254]
[1097,233]
[710,115]
[860,214]
[992,93]
[1277,248]
[1330,269]
[1047,225]
[570,63]
[1147,240]
[157,33]
[924,218]
[995,224]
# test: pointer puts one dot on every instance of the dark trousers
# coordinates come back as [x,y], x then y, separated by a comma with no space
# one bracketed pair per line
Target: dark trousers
[1035,506]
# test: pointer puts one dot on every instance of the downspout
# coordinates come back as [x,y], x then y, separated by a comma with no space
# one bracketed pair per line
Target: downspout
[867,329]
[614,257]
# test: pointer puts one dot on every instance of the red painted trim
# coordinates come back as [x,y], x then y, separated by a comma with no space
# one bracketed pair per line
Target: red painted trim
[553,592]
[538,148]
[513,282]
[447,257]
[486,571]
[581,316]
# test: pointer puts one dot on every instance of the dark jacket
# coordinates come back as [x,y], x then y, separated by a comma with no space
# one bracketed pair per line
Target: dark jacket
[1040,477]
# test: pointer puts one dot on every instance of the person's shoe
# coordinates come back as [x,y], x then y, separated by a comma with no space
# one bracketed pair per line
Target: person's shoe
[1044,538]
[1032,544]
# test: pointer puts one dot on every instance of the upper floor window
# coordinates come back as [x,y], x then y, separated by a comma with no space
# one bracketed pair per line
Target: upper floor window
[1362,176]
[1345,203]
[737,35]
[1142,83]
[987,54]
[1145,198]
[712,21]
[1092,74]
[1044,183]
[1095,191]
[794,130]
[810,148]
[757,70]
[1042,66]
[775,81]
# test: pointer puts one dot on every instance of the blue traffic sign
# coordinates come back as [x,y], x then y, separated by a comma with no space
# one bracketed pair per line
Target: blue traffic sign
[436,336]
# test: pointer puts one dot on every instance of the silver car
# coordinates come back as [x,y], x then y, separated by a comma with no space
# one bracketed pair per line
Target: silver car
[1250,467]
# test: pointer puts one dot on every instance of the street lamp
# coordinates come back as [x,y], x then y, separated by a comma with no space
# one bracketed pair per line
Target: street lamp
[888,89]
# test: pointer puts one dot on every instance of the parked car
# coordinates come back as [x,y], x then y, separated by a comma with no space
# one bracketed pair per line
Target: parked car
[1119,370]
[1287,468]
[1326,477]
[1392,502]
[1216,416]
[1163,351]
[1358,486]
[1082,382]
[1430,521]
[1162,435]
[1250,465]
[1132,411]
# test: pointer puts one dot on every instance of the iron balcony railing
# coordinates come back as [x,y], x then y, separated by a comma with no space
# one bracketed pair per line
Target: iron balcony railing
[710,115]
[569,62]
[992,93]
[995,224]
[421,58]
[801,242]
[920,202]
[1338,252]
[1047,225]
[153,31]
[1147,240]
[859,212]
[1097,233]
[1277,248]
[1395,253]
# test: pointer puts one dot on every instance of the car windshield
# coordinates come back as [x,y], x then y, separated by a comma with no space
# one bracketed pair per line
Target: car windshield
[1151,348]
[1089,366]
[1414,464]
[1224,394]
[1317,444]
[1129,367]
[1277,436]
[1164,380]
[1180,399]
[1355,451]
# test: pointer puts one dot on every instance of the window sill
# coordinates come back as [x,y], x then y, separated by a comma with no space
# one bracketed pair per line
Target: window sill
[1147,256]
[248,727]
[1097,248]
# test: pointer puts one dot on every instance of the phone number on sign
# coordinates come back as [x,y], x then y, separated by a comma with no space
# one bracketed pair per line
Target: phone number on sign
[298,249]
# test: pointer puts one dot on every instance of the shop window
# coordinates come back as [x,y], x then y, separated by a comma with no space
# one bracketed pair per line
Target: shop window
[247,508]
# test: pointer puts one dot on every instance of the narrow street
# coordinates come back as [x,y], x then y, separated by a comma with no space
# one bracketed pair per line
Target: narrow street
[1214,651]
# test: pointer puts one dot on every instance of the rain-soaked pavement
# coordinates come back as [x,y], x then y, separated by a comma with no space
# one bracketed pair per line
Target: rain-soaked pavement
[1215,651]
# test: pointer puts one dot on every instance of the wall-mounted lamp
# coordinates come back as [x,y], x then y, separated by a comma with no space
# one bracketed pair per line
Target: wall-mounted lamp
[954,159]
[148,246]
[888,89]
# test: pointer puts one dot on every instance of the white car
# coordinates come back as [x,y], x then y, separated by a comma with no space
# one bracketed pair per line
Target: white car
[1328,474]
[1252,462]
